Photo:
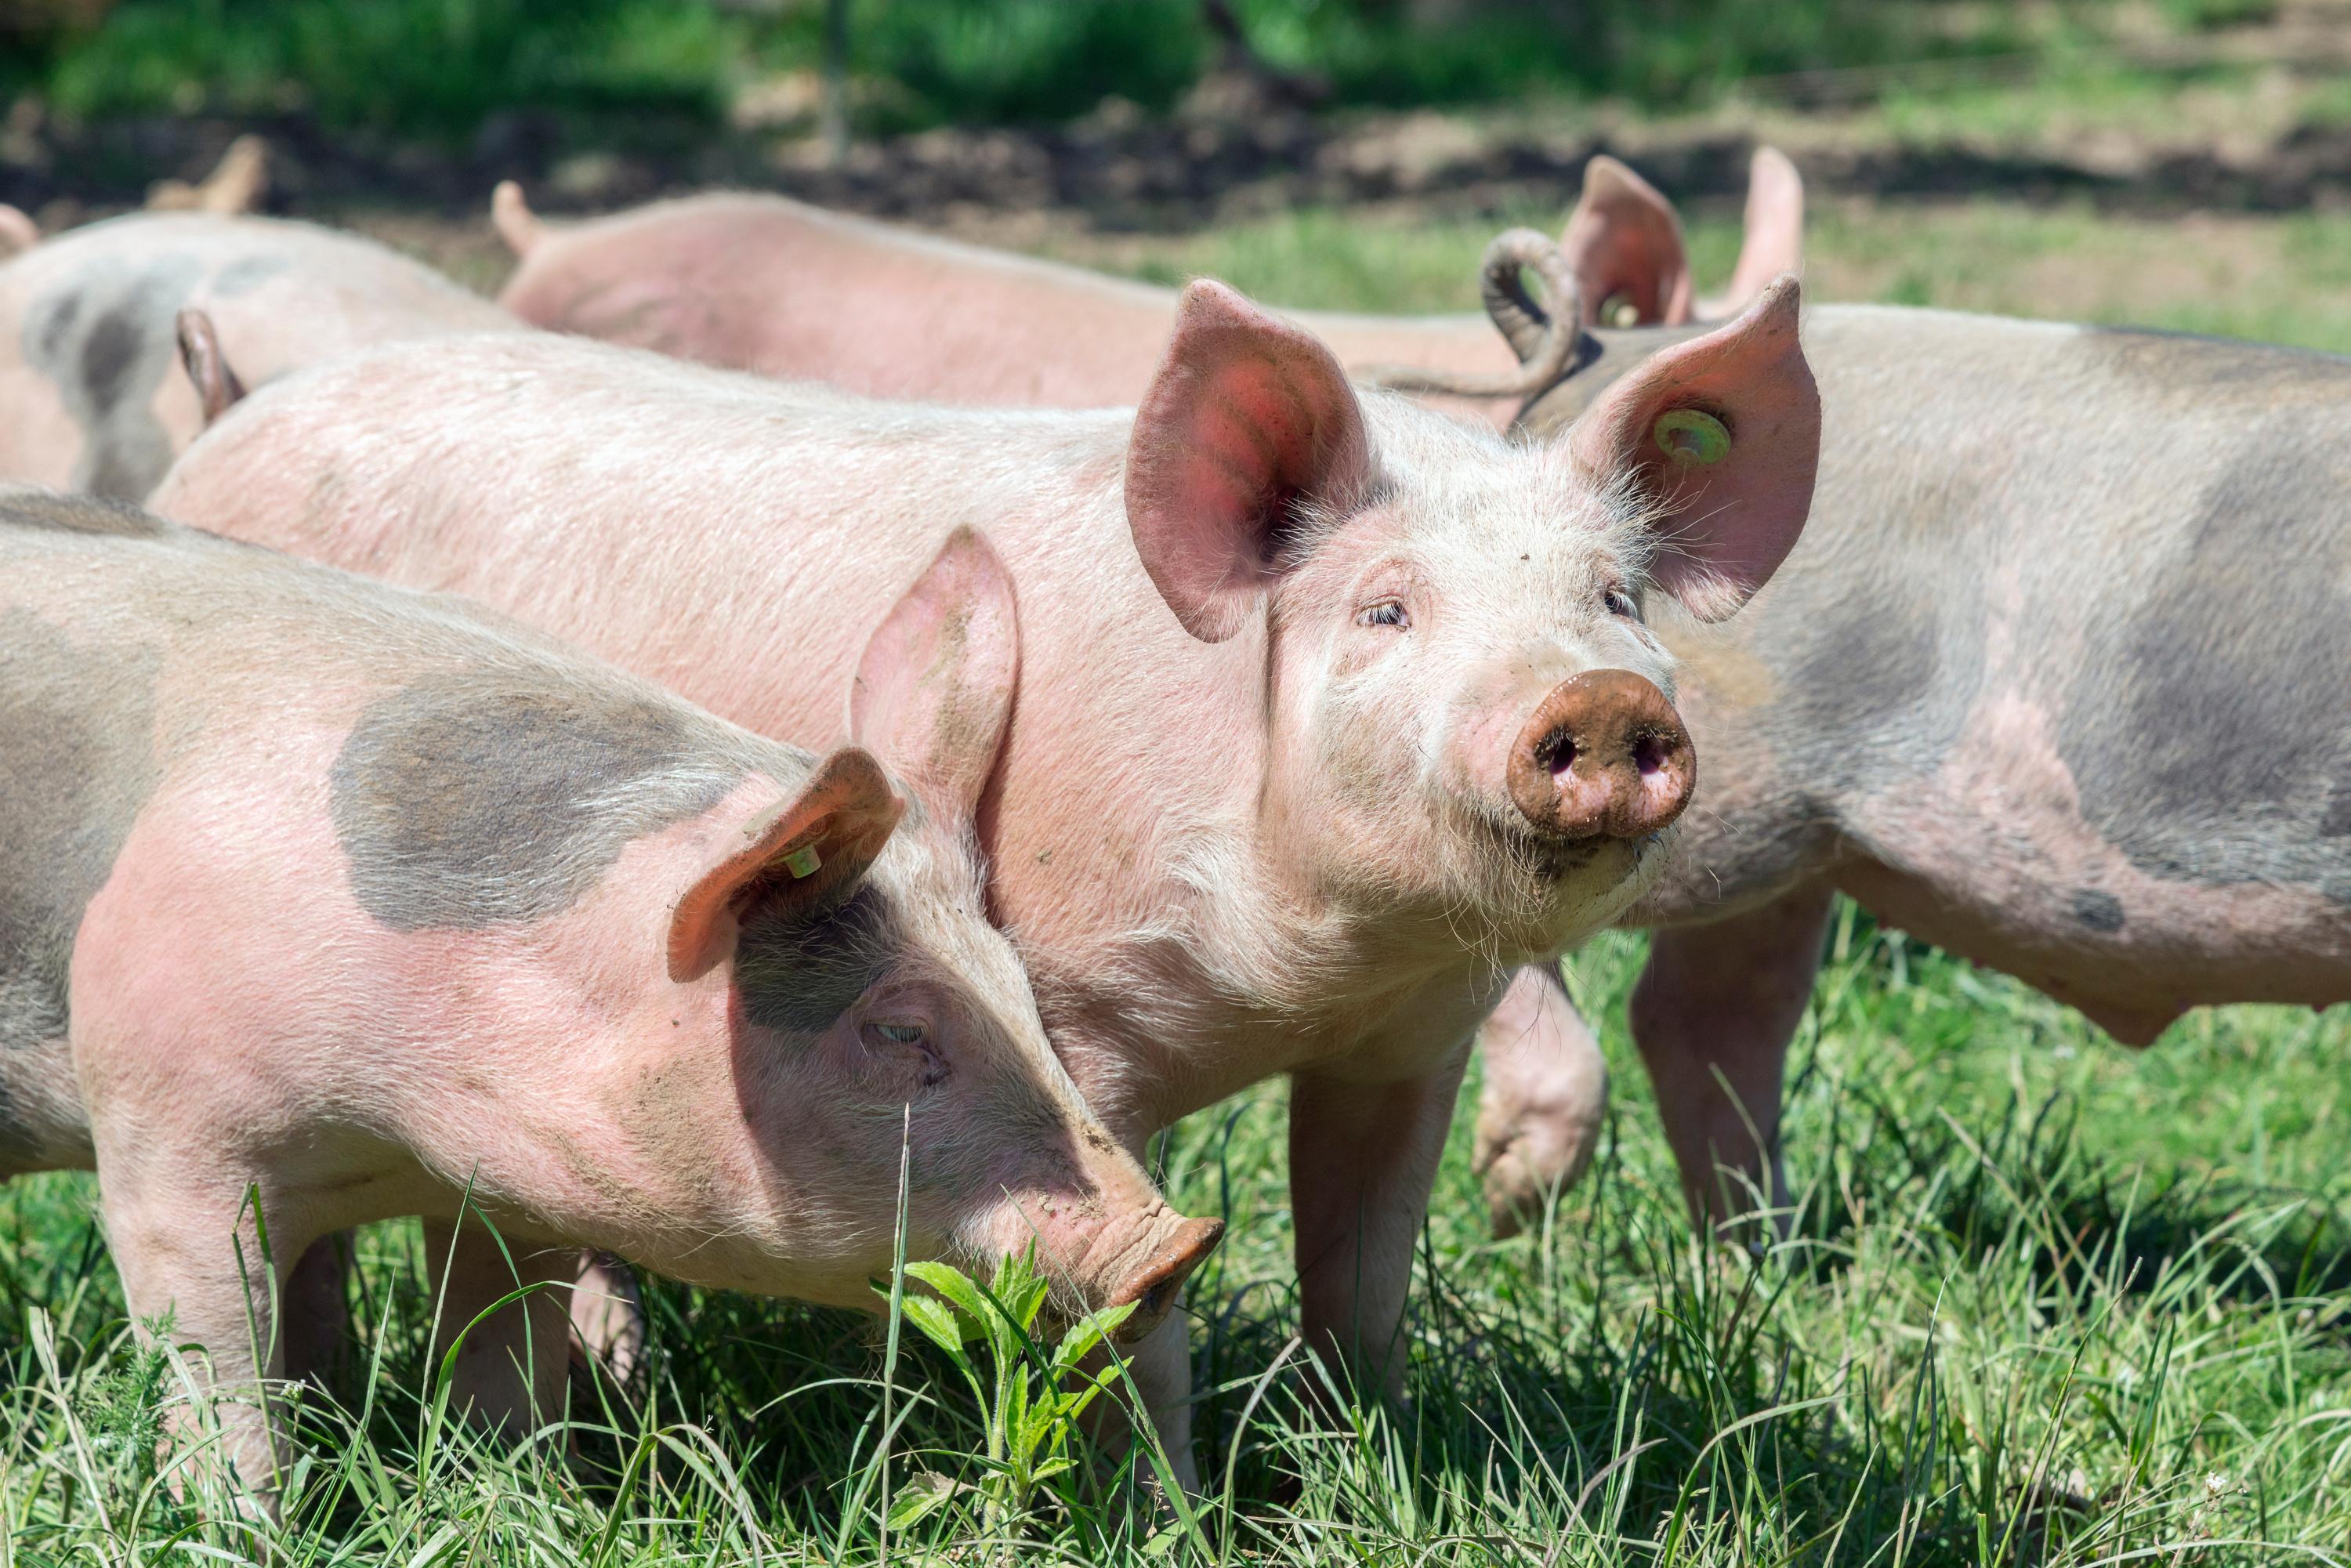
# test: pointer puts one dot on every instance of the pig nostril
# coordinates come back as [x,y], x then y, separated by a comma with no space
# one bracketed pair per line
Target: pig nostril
[1557,753]
[1650,755]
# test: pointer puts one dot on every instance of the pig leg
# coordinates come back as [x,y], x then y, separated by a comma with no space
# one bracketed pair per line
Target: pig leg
[1546,1090]
[187,1247]
[1363,1158]
[513,1364]
[314,1312]
[1712,1015]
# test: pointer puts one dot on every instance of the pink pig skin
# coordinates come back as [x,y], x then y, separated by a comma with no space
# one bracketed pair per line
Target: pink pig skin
[363,899]
[1305,674]
[766,284]
[89,374]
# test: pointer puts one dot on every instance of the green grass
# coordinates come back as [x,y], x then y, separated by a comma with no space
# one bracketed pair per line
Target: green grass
[2050,1301]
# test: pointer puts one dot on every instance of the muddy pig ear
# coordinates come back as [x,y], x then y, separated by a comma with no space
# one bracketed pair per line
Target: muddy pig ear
[1721,436]
[1623,245]
[217,388]
[793,856]
[934,690]
[1774,241]
[1247,418]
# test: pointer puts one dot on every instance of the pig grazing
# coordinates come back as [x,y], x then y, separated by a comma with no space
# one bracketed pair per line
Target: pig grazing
[765,284]
[1332,711]
[2053,680]
[361,901]
[91,393]
[761,283]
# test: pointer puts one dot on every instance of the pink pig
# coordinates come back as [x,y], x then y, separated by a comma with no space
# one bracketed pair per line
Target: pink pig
[1332,711]
[765,284]
[363,902]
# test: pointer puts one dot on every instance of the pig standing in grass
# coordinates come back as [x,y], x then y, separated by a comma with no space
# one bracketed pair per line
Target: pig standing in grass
[2056,680]
[1332,711]
[90,375]
[359,901]
[766,284]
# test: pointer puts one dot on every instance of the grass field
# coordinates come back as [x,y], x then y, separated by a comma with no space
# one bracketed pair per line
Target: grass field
[2048,1300]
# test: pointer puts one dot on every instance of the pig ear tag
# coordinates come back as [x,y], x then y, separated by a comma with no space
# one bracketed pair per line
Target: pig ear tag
[803,861]
[1691,436]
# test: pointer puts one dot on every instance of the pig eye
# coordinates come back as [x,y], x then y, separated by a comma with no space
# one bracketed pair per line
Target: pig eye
[900,1033]
[1387,613]
[1619,602]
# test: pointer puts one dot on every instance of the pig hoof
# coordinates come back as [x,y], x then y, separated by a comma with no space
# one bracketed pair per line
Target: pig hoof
[1527,1164]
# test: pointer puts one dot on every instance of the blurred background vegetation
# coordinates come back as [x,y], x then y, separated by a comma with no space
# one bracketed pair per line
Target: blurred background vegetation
[442,67]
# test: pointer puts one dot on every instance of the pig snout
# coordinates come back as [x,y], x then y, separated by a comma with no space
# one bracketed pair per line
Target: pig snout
[1160,1274]
[1603,757]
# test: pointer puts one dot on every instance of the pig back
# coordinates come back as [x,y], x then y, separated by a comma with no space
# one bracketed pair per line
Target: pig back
[2054,669]
[88,357]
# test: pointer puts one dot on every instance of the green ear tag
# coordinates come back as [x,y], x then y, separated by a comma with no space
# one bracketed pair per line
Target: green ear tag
[802,861]
[1691,435]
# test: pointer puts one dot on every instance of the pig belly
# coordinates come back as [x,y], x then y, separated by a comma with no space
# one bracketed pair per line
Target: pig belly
[2012,877]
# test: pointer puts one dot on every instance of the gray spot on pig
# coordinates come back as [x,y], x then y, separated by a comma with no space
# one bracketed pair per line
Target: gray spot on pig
[2216,749]
[490,796]
[79,514]
[248,272]
[800,974]
[2200,364]
[76,767]
[2097,909]
[2337,824]
[107,339]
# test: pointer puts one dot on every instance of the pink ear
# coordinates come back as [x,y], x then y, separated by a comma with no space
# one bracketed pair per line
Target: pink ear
[1728,514]
[934,690]
[1248,417]
[802,851]
[1623,239]
[1774,241]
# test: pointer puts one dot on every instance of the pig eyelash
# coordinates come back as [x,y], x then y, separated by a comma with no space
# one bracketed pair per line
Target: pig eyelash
[904,1035]
[1620,602]
[1386,613]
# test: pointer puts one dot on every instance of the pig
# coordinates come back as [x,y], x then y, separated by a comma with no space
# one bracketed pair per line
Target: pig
[362,902]
[773,286]
[762,283]
[2052,681]
[1334,712]
[87,360]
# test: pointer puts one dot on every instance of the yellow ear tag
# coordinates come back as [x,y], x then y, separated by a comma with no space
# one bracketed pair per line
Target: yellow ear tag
[802,861]
[1690,435]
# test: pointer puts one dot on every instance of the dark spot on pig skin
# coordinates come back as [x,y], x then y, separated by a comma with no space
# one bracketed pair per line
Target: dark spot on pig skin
[77,724]
[2211,737]
[107,339]
[78,515]
[2196,363]
[248,272]
[2337,824]
[2099,910]
[800,973]
[495,796]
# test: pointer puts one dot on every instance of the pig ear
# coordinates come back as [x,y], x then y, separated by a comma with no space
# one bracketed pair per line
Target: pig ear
[1247,418]
[934,690]
[1623,242]
[17,232]
[1722,435]
[1774,241]
[217,387]
[511,215]
[793,856]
